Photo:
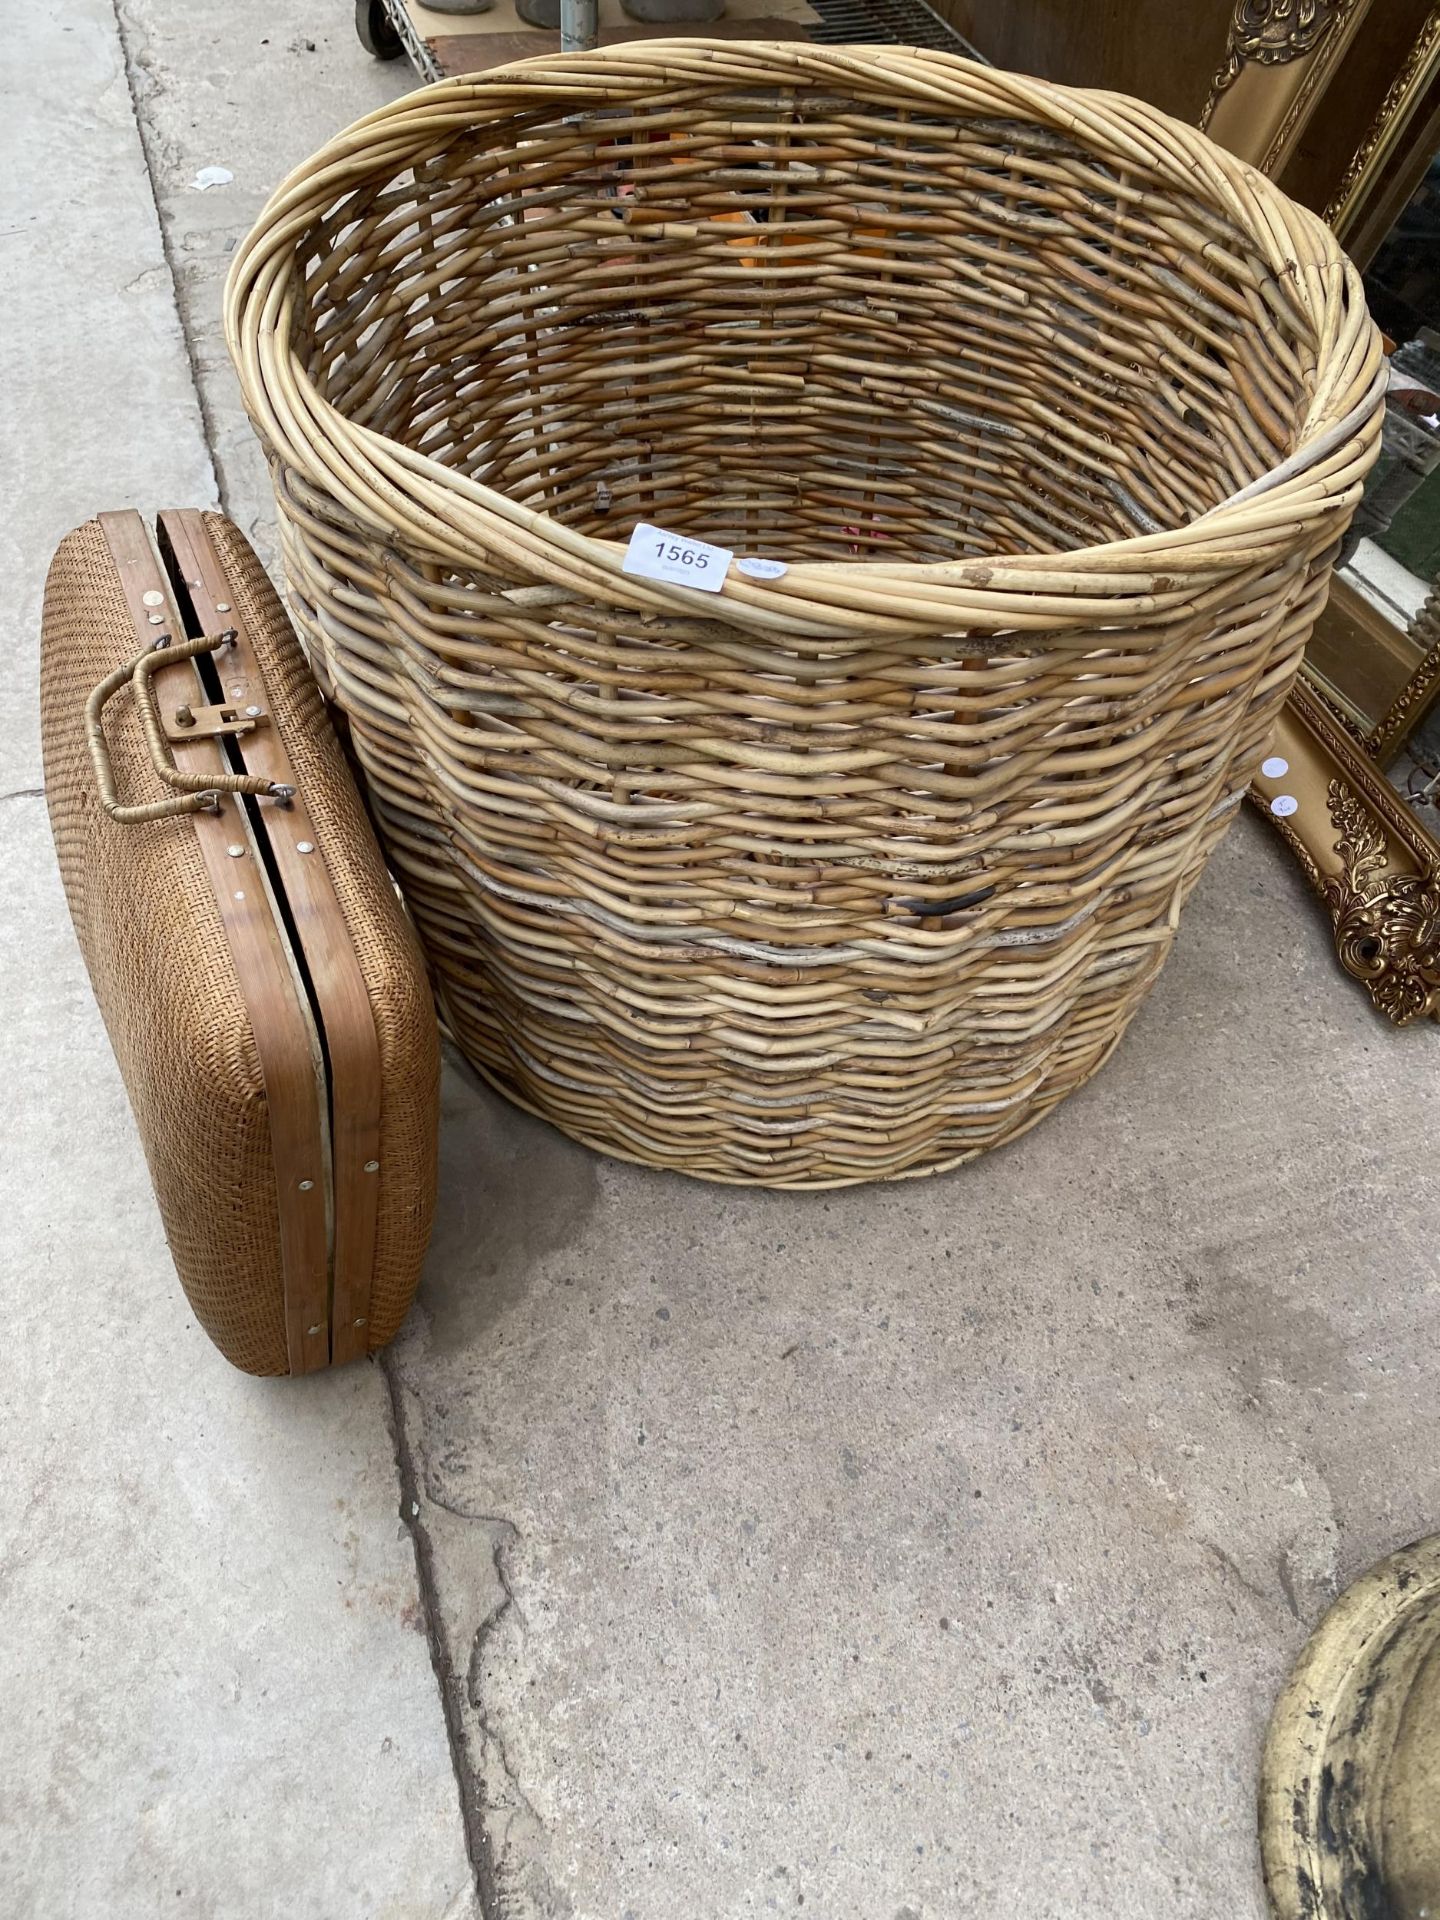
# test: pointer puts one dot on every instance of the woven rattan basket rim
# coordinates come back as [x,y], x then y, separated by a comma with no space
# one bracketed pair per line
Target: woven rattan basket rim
[414,499]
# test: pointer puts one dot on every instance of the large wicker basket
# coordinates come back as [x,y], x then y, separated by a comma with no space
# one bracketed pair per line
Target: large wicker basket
[1056,413]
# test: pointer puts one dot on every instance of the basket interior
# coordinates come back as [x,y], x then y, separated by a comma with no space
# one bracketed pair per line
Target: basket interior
[808,326]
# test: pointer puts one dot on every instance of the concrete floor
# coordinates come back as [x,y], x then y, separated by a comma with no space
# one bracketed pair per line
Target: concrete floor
[895,1555]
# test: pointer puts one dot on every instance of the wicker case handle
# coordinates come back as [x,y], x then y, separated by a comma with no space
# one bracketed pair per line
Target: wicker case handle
[195,793]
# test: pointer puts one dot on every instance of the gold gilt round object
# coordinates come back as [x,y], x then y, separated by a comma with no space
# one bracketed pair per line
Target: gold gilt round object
[1350,1784]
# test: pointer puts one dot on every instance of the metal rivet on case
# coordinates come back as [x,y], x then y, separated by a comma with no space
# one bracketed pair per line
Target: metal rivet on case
[304,846]
[251,712]
[222,606]
[372,1166]
[235,852]
[362,1323]
[239,896]
[312,1329]
[153,598]
[155,618]
[306,1185]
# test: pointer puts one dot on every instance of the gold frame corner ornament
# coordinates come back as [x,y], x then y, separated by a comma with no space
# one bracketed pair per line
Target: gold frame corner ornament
[1270,33]
[1387,924]
[1373,866]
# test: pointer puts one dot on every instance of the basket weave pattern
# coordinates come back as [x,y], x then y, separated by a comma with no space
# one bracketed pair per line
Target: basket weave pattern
[1056,414]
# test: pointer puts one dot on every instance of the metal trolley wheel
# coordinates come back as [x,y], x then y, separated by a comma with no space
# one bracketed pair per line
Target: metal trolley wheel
[377,30]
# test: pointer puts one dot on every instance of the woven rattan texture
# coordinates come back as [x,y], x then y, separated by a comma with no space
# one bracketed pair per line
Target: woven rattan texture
[1056,413]
[147,924]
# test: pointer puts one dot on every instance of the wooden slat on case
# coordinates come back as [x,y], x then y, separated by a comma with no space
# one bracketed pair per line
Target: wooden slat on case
[340,1002]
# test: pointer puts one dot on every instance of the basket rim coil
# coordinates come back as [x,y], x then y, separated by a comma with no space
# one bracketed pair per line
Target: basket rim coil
[408,496]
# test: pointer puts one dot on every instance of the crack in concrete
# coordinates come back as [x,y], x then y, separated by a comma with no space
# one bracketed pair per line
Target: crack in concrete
[1256,1593]
[454,1692]
[1287,1583]
[506,1533]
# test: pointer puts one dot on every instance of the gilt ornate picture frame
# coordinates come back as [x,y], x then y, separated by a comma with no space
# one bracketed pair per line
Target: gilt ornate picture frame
[1339,100]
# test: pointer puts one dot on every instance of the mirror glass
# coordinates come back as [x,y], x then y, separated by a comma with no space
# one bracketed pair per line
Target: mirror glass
[1364,652]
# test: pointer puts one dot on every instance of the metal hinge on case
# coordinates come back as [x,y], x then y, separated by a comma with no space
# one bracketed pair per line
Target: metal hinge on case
[190,722]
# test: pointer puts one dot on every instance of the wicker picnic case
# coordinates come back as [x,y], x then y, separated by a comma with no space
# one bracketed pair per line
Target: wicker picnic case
[261,986]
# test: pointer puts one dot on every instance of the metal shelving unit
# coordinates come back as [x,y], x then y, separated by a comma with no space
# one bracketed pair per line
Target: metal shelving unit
[388,29]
